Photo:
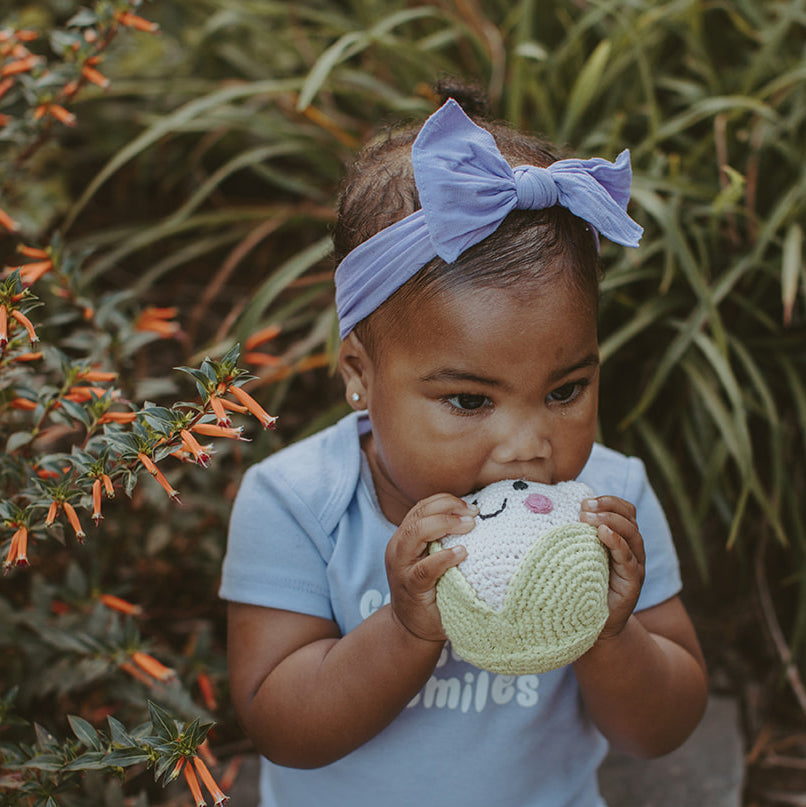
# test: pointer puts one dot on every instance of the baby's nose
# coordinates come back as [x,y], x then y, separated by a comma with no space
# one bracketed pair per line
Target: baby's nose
[538,503]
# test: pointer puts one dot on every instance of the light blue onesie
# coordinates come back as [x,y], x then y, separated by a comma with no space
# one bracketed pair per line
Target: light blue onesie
[307,535]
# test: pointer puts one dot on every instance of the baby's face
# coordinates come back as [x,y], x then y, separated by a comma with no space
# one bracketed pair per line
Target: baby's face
[482,385]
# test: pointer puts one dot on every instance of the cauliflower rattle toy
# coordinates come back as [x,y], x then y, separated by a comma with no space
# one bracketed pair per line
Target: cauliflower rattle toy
[531,595]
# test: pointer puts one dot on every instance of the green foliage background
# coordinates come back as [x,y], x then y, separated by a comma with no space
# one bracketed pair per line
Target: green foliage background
[205,177]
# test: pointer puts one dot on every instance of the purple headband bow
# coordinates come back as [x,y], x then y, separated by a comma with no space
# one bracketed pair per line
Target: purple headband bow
[466,190]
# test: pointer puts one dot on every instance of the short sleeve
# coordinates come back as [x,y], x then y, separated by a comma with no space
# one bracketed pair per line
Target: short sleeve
[609,472]
[662,579]
[276,549]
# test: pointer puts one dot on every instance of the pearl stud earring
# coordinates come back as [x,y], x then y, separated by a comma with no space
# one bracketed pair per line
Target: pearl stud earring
[355,397]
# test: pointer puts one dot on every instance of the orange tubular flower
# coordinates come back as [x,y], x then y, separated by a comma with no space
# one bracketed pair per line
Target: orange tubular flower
[31,272]
[53,511]
[207,691]
[118,417]
[80,394]
[178,768]
[204,774]
[94,76]
[26,323]
[233,407]
[148,463]
[18,551]
[262,359]
[23,404]
[7,222]
[108,486]
[96,501]
[62,115]
[138,23]
[211,430]
[219,411]
[157,320]
[72,517]
[136,672]
[5,85]
[254,407]
[29,356]
[195,788]
[261,336]
[120,605]
[156,669]
[32,252]
[97,376]
[3,326]
[18,66]
[230,773]
[191,444]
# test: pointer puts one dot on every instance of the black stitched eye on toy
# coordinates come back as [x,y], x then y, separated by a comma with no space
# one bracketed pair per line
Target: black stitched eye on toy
[520,485]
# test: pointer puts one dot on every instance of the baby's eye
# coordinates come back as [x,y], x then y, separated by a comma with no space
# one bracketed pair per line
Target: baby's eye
[467,402]
[567,392]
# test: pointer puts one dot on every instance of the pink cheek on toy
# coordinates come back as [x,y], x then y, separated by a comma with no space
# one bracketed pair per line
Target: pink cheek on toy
[538,503]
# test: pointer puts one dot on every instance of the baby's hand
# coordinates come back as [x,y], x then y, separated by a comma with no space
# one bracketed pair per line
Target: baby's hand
[615,522]
[413,572]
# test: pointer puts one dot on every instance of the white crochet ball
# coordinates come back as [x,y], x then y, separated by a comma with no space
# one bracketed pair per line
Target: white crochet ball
[531,595]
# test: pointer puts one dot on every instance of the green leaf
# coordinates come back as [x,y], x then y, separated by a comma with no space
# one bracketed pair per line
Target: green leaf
[82,19]
[164,768]
[85,732]
[791,269]
[45,762]
[119,734]
[665,462]
[126,757]
[586,87]
[279,281]
[350,45]
[231,357]
[172,123]
[200,376]
[44,738]
[76,411]
[90,761]
[164,725]
[18,440]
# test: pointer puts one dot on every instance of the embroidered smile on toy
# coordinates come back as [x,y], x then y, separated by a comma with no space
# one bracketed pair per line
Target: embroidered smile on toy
[531,595]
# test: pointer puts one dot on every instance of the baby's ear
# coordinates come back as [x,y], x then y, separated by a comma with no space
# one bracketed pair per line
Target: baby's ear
[355,367]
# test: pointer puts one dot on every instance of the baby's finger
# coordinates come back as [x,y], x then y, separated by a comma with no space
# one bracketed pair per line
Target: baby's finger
[622,552]
[620,524]
[433,566]
[625,529]
[609,504]
[433,519]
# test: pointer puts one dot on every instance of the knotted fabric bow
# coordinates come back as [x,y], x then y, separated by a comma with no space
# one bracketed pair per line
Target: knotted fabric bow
[466,190]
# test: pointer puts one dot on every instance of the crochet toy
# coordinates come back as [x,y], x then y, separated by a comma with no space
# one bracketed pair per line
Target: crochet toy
[531,595]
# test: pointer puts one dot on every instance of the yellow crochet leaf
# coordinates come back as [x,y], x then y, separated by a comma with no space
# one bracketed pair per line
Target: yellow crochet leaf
[554,609]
